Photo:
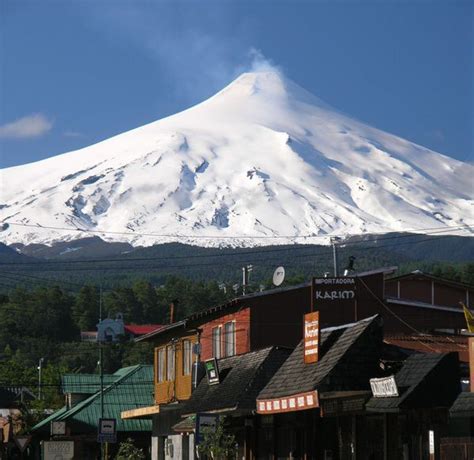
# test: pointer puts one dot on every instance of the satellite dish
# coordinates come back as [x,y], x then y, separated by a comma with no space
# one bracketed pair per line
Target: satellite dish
[278,276]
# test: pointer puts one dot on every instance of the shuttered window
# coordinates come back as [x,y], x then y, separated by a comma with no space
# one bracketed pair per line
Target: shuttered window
[187,357]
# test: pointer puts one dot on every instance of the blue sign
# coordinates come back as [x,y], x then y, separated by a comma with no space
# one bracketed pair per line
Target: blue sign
[205,422]
[107,430]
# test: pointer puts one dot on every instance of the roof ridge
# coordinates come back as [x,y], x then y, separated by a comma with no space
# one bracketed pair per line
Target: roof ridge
[368,322]
[86,402]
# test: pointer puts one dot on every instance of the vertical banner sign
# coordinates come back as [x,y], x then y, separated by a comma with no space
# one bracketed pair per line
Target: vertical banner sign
[431,444]
[311,337]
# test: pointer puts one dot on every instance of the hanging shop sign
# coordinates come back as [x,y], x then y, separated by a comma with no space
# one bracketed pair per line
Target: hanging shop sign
[212,371]
[385,387]
[334,289]
[311,337]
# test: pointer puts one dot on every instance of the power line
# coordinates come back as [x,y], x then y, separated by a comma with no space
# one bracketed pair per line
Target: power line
[169,235]
[287,248]
[36,267]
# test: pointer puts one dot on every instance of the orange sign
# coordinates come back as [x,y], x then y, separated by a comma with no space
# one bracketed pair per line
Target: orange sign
[311,337]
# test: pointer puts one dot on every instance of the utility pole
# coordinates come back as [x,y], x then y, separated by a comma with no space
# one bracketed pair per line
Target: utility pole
[101,371]
[40,368]
[334,240]
[245,277]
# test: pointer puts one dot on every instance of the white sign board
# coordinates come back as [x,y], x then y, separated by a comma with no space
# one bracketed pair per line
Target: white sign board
[58,428]
[431,441]
[58,450]
[385,387]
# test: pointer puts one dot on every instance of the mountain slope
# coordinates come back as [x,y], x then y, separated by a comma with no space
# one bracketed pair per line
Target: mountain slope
[262,158]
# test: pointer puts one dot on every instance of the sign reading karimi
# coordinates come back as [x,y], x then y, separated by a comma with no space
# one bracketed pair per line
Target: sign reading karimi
[331,289]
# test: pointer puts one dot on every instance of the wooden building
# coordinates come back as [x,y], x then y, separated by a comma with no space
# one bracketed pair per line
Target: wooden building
[275,318]
[328,410]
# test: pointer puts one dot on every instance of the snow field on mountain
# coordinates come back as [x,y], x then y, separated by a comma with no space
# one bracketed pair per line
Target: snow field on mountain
[262,158]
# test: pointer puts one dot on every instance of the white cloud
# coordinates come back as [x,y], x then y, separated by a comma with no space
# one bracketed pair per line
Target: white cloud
[34,125]
[197,61]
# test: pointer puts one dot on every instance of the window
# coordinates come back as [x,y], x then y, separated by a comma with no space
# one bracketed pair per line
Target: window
[229,337]
[170,362]
[216,342]
[161,365]
[187,357]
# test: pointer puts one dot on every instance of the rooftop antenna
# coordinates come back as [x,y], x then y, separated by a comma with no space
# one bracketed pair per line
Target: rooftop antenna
[278,276]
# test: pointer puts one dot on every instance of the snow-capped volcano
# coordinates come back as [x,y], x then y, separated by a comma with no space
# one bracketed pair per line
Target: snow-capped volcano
[261,158]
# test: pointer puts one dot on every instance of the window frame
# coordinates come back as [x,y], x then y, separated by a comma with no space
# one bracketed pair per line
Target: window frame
[187,357]
[170,363]
[161,360]
[227,342]
[216,333]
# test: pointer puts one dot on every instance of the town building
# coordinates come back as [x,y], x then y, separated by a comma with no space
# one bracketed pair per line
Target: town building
[86,403]
[275,318]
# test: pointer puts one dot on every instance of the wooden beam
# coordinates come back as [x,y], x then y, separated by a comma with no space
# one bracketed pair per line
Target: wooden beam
[142,412]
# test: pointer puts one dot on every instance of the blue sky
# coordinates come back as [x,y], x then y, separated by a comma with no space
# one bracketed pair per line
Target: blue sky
[74,73]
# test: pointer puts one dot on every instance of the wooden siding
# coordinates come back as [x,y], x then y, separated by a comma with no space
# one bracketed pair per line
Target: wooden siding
[179,388]
[242,335]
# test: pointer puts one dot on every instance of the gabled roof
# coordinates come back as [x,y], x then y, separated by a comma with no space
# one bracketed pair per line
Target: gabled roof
[242,378]
[14,394]
[86,383]
[161,330]
[133,388]
[463,405]
[141,329]
[349,354]
[425,380]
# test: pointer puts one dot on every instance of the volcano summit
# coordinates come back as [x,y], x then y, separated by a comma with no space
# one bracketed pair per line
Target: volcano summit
[261,162]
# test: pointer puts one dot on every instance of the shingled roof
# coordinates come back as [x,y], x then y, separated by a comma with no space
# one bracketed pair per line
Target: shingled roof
[463,405]
[242,378]
[424,381]
[349,356]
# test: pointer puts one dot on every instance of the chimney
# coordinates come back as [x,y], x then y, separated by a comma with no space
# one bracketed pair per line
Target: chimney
[173,305]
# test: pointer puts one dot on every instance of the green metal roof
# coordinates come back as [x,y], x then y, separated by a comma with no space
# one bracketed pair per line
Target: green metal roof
[85,383]
[45,422]
[133,388]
